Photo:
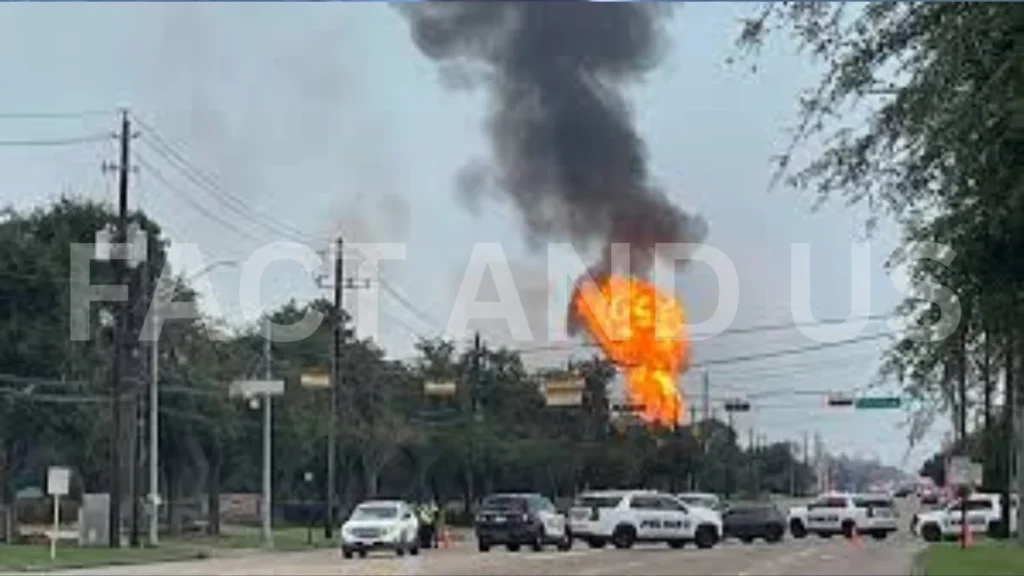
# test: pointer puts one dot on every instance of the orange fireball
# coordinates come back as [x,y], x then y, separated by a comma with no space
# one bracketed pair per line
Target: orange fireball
[642,330]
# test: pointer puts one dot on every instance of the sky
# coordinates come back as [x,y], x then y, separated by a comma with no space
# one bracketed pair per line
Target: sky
[318,119]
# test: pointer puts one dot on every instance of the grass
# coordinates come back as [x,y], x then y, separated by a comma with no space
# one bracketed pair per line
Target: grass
[984,558]
[285,539]
[29,558]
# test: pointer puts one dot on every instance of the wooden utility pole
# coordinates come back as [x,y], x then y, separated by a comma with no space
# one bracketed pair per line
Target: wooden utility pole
[120,338]
[337,321]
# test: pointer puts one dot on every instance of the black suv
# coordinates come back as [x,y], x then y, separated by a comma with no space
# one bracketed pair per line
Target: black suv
[515,520]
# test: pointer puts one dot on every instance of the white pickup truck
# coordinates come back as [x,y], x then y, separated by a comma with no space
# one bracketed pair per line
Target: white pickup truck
[846,514]
[983,509]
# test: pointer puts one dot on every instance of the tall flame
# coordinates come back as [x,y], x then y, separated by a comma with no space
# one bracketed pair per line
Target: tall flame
[643,331]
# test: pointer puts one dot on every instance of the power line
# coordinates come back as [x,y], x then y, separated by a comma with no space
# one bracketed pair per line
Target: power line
[789,351]
[68,141]
[208,184]
[56,115]
[569,346]
[163,180]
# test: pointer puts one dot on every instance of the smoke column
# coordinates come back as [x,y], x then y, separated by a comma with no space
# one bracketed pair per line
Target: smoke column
[565,150]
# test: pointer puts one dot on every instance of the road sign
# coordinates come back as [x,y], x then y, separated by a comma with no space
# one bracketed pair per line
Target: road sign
[839,400]
[57,481]
[315,380]
[737,406]
[439,388]
[877,403]
[250,388]
[564,391]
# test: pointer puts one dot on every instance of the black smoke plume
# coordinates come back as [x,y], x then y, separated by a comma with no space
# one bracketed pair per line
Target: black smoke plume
[565,149]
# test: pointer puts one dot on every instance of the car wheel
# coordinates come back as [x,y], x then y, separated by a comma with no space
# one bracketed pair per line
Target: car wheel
[676,544]
[880,535]
[483,546]
[849,528]
[414,550]
[512,547]
[565,543]
[538,543]
[797,529]
[346,553]
[706,536]
[362,553]
[596,542]
[931,533]
[775,533]
[624,536]
[400,550]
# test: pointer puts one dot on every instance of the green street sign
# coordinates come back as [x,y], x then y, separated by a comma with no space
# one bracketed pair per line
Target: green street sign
[877,403]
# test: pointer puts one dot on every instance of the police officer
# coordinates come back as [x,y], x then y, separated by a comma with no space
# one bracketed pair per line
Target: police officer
[426,530]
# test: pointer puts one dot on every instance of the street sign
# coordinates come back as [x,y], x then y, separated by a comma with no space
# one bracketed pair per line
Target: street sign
[877,403]
[57,481]
[315,380]
[250,388]
[840,400]
[439,388]
[737,406]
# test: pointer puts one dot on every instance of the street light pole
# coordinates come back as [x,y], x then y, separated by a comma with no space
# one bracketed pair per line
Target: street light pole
[268,535]
[154,402]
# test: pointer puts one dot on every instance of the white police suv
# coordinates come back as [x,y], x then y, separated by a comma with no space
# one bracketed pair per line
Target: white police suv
[625,517]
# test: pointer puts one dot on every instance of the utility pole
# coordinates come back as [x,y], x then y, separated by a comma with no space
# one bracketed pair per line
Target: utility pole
[267,509]
[137,410]
[154,418]
[120,338]
[474,385]
[335,380]
[806,456]
[706,400]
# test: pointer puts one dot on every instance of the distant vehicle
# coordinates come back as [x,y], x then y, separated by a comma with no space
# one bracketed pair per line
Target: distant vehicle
[380,524]
[514,520]
[625,517]
[983,510]
[903,492]
[928,497]
[703,499]
[747,521]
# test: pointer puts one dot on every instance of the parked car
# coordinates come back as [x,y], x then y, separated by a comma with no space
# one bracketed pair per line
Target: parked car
[515,520]
[380,524]
[747,521]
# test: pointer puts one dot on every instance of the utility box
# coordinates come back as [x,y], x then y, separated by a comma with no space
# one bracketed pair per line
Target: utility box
[94,520]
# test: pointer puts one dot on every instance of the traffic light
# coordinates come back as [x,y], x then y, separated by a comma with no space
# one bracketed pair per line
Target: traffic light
[737,406]
[839,401]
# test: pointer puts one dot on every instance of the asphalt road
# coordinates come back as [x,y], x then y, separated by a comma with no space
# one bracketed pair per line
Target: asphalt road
[811,556]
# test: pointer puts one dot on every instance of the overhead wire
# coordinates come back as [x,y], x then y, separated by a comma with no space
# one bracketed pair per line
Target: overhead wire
[209,185]
[66,141]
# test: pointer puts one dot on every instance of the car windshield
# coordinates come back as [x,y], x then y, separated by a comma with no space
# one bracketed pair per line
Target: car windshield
[504,503]
[832,502]
[705,501]
[874,503]
[598,501]
[375,512]
[751,510]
